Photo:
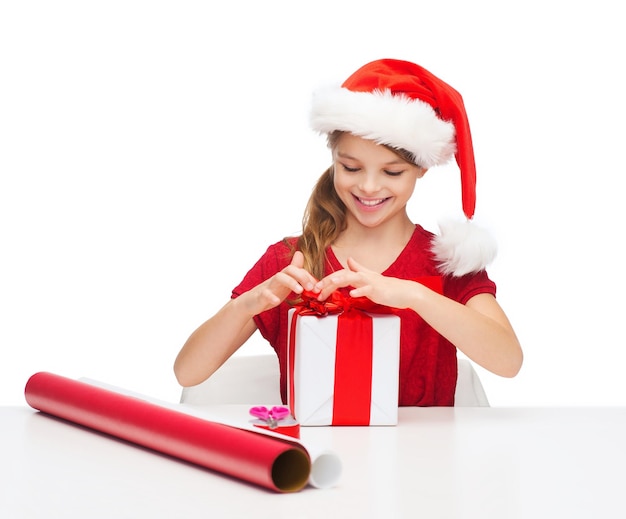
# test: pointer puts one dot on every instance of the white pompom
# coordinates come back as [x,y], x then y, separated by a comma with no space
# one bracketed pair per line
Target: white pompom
[463,248]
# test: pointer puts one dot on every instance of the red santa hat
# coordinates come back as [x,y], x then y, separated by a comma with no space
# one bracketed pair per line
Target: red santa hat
[403,105]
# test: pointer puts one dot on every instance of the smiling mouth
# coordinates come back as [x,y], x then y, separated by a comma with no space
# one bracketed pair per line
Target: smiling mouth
[371,202]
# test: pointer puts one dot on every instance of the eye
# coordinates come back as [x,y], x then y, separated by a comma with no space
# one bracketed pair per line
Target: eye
[394,173]
[349,169]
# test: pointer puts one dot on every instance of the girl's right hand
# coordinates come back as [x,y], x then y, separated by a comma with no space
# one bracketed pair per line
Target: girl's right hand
[219,337]
[270,293]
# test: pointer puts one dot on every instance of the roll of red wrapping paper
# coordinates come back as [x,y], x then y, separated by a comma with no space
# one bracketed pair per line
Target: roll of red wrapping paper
[271,462]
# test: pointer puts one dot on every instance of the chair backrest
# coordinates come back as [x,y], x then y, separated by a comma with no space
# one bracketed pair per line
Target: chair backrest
[469,390]
[242,379]
[254,379]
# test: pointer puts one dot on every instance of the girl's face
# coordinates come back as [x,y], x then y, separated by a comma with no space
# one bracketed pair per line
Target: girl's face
[372,181]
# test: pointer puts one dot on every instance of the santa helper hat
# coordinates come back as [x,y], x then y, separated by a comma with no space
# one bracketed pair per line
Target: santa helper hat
[402,105]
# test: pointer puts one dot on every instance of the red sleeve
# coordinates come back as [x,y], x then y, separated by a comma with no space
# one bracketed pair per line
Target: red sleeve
[276,258]
[463,288]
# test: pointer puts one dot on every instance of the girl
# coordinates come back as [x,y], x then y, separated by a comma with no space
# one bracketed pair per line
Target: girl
[386,125]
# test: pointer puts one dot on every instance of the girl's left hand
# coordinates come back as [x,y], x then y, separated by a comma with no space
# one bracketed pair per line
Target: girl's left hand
[381,289]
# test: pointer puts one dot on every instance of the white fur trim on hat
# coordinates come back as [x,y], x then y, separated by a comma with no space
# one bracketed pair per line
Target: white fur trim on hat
[395,120]
[463,248]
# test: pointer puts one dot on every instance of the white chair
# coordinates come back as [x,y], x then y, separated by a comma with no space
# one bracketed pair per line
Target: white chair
[469,390]
[254,379]
[242,379]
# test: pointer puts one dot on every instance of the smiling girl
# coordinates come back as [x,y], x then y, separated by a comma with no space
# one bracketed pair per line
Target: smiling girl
[387,125]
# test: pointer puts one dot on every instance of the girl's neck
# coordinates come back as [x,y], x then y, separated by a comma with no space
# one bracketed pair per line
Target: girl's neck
[396,231]
[374,247]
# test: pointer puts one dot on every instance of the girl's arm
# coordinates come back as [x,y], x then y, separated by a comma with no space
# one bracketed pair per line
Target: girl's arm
[480,328]
[211,344]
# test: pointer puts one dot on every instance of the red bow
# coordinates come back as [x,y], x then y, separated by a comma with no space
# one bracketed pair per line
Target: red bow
[337,303]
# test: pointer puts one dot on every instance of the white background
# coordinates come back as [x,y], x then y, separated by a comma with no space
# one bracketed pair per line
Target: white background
[151,151]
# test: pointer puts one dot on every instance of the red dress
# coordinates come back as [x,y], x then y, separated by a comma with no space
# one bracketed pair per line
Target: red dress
[428,366]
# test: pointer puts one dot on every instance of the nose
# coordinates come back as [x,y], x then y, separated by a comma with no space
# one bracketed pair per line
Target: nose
[368,183]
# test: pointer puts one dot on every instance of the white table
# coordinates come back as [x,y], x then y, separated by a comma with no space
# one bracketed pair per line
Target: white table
[438,462]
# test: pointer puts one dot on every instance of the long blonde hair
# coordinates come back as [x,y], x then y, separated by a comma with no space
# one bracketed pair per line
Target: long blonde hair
[325,215]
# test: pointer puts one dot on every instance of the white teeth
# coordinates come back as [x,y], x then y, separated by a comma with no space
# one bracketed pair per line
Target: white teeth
[372,203]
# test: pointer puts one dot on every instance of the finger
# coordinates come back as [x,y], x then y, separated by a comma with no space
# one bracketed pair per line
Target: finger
[289,281]
[323,289]
[355,266]
[301,276]
[298,259]
[296,270]
[327,283]
[269,299]
[332,282]
[364,291]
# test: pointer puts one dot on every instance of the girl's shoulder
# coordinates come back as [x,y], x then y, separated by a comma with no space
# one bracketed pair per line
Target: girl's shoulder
[417,261]
[279,254]
[284,248]
[422,236]
[276,257]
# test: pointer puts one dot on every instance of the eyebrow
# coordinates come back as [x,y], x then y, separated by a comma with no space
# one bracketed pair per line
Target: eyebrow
[346,156]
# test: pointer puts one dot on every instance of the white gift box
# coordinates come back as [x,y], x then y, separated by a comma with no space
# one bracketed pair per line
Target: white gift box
[311,369]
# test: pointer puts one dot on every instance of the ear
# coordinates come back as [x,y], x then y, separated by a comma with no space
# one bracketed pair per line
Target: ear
[421,171]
